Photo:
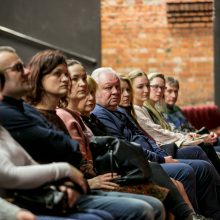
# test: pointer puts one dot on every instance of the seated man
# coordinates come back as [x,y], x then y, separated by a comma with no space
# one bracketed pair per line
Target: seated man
[46,144]
[174,114]
[118,124]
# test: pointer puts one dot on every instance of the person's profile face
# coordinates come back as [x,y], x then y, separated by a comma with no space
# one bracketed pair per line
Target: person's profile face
[171,95]
[157,88]
[78,79]
[16,74]
[125,94]
[141,90]
[57,82]
[87,104]
[109,91]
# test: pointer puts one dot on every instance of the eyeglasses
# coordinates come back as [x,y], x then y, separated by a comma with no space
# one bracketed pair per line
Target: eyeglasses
[156,87]
[19,67]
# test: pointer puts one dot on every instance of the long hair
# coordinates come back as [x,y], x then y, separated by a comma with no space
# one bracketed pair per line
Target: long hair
[40,65]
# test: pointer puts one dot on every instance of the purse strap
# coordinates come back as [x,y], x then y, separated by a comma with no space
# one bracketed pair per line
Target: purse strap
[111,160]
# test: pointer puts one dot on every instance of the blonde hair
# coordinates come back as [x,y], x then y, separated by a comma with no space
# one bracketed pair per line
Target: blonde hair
[92,85]
[152,76]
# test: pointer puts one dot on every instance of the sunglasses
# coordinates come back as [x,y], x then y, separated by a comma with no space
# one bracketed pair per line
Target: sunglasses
[18,67]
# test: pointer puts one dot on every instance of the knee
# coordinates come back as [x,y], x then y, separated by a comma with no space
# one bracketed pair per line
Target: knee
[139,209]
[186,172]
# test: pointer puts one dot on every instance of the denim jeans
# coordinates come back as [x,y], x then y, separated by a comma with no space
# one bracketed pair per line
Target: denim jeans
[124,205]
[89,214]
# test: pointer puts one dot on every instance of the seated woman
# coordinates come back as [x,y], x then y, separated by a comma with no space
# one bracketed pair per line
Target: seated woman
[51,88]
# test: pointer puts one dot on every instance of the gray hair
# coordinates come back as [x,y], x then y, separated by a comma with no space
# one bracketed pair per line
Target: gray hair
[102,70]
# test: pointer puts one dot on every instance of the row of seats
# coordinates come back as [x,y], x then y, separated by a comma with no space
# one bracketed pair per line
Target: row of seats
[203,115]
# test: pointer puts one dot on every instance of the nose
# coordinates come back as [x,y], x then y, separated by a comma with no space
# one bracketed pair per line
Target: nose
[26,71]
[126,93]
[173,95]
[64,78]
[82,82]
[90,97]
[146,89]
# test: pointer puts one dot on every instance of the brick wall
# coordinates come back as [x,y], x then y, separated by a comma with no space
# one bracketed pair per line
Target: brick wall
[174,37]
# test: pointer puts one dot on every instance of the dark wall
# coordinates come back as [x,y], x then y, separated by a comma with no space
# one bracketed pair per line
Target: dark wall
[217,52]
[70,24]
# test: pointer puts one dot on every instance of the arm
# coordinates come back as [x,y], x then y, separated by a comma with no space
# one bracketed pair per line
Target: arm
[156,131]
[11,212]
[117,128]
[38,136]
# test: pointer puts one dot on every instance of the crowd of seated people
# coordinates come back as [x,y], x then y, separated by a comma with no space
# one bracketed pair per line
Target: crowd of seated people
[118,124]
[53,125]
[52,98]
[45,144]
[151,120]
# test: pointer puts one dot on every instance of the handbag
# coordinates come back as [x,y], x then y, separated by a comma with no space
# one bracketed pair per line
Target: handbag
[111,154]
[44,200]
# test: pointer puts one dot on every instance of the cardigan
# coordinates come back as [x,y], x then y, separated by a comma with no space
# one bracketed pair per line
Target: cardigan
[161,135]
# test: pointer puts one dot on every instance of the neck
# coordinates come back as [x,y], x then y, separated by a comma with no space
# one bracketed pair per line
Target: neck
[138,103]
[48,103]
[152,102]
[73,104]
[12,95]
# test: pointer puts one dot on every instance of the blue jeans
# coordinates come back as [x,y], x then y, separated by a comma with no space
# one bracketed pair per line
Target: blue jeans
[89,214]
[206,180]
[124,205]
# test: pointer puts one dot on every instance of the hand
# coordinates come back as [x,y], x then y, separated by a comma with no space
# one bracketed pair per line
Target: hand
[71,194]
[104,181]
[192,135]
[212,138]
[25,215]
[77,177]
[169,159]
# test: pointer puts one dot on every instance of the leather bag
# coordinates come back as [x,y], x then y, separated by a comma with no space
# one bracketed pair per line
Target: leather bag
[44,200]
[111,154]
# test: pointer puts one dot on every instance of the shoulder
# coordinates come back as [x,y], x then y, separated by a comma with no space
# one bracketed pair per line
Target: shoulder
[99,110]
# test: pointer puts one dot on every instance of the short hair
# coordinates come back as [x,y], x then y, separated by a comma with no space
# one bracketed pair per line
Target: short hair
[102,70]
[40,65]
[2,77]
[171,81]
[152,76]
